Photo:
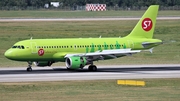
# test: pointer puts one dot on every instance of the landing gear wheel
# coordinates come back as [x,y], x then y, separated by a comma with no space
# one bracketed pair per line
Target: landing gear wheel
[29,69]
[92,68]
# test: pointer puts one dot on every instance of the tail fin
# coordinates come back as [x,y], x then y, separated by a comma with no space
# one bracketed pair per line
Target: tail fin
[145,27]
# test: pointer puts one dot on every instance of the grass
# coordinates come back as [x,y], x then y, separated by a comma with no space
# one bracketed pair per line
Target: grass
[167,30]
[98,90]
[77,14]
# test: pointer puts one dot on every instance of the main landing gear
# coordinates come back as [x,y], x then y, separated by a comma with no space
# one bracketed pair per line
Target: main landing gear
[29,69]
[92,68]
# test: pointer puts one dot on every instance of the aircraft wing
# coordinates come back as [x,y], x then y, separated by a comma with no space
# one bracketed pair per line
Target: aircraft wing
[111,53]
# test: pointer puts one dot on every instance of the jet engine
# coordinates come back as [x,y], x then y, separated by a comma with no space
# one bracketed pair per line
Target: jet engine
[75,62]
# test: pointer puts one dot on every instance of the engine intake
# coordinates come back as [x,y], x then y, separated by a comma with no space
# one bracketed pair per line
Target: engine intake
[76,62]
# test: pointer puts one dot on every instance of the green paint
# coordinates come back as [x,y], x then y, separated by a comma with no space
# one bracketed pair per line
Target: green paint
[105,46]
[87,49]
[92,48]
[124,46]
[99,47]
[117,45]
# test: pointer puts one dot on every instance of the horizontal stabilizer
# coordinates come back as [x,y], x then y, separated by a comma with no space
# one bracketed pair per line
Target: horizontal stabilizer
[150,44]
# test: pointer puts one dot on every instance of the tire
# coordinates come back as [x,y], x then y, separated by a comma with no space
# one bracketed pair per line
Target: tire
[92,68]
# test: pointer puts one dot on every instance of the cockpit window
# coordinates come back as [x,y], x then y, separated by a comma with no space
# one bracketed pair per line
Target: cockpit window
[22,47]
[19,47]
[14,46]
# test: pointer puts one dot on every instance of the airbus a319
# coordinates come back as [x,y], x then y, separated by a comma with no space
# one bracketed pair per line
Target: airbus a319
[79,52]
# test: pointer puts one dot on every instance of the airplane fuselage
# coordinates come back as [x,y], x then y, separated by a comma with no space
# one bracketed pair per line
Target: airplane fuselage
[56,49]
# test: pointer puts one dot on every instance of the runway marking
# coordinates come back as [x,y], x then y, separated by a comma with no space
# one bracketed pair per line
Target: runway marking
[104,72]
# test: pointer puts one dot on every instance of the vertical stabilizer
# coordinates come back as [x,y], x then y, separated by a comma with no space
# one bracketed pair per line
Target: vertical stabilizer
[145,27]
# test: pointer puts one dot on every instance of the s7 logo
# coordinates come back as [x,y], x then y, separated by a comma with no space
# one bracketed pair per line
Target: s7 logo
[147,24]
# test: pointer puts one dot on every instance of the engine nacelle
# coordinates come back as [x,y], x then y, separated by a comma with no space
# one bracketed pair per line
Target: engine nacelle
[75,62]
[43,63]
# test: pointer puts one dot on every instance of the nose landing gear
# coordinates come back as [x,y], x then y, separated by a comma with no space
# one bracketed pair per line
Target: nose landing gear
[29,69]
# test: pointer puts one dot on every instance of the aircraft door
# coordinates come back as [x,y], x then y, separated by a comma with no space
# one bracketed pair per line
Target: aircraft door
[33,47]
[130,43]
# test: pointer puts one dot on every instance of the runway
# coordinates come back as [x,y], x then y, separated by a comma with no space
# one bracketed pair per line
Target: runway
[104,72]
[79,19]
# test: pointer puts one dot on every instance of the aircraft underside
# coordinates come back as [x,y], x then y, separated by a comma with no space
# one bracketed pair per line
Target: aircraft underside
[75,62]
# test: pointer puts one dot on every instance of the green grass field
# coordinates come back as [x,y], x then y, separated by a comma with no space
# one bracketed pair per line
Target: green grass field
[78,14]
[99,90]
[167,30]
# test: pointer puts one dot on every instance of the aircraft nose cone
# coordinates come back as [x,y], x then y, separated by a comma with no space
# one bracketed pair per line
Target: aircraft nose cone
[8,54]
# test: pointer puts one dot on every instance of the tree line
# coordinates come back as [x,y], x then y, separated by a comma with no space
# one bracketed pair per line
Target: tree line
[24,4]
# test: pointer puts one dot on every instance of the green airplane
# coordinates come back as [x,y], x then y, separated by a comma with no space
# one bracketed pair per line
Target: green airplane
[79,52]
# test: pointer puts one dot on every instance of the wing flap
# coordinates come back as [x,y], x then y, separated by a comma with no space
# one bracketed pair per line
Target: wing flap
[106,52]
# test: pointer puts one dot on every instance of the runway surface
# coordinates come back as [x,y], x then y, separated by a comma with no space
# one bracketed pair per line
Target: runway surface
[104,72]
[80,19]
